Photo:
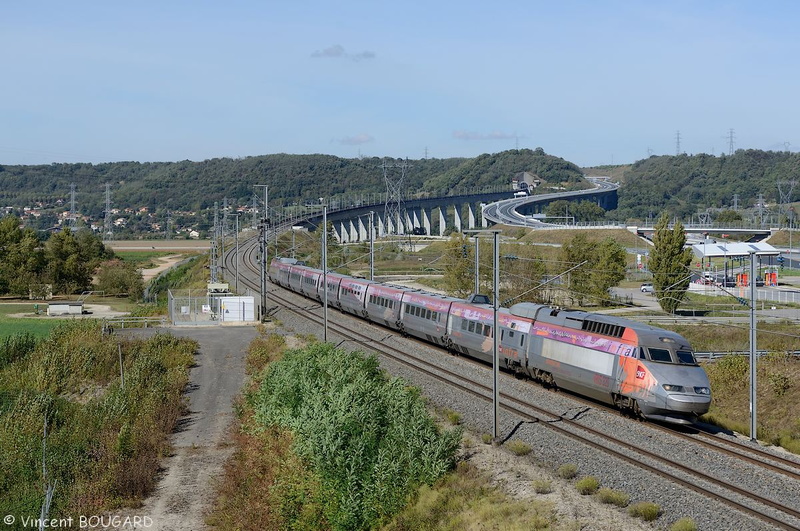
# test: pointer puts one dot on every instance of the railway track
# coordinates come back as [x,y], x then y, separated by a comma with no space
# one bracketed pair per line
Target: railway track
[753,501]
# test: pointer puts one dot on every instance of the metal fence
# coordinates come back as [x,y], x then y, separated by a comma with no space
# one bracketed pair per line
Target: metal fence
[191,307]
[198,307]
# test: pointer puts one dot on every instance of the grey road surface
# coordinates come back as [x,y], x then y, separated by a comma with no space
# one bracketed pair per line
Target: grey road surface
[200,448]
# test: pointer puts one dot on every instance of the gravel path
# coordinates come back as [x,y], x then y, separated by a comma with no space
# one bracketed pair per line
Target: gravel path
[186,489]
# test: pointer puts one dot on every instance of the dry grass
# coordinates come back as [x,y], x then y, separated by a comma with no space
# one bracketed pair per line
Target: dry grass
[647,511]
[587,485]
[562,236]
[462,500]
[777,397]
[518,447]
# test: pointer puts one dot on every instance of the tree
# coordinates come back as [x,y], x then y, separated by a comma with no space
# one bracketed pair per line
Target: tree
[669,262]
[604,267]
[21,259]
[116,277]
[458,263]
[728,216]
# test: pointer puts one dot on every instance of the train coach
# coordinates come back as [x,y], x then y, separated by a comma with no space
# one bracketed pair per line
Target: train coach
[647,371]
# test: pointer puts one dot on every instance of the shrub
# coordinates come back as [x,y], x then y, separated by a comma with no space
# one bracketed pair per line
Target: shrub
[613,497]
[647,511]
[567,471]
[486,438]
[543,486]
[780,383]
[587,485]
[518,447]
[367,437]
[684,524]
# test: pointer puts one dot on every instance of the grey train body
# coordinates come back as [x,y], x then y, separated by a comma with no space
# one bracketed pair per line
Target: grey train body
[644,370]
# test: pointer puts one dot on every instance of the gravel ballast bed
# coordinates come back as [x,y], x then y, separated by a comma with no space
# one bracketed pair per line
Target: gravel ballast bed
[550,449]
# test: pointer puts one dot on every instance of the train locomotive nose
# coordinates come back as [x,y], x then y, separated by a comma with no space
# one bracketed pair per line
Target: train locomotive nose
[688,403]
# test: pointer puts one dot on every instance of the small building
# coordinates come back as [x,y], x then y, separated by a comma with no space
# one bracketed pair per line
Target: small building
[65,308]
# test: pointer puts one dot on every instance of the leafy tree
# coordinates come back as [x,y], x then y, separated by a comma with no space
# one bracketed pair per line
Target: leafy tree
[65,270]
[522,276]
[116,277]
[458,262]
[604,267]
[728,216]
[669,262]
[21,259]
[579,210]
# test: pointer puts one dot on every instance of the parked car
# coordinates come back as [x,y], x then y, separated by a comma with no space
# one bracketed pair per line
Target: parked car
[647,287]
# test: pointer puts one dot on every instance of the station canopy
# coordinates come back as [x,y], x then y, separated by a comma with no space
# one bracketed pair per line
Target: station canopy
[732,250]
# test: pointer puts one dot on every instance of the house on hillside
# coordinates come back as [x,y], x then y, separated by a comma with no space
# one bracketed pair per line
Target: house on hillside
[525,180]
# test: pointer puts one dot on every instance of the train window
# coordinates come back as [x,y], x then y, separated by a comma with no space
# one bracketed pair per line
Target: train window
[435,316]
[641,353]
[463,324]
[427,314]
[686,357]
[510,333]
[487,331]
[391,304]
[659,354]
[522,340]
[502,334]
[471,326]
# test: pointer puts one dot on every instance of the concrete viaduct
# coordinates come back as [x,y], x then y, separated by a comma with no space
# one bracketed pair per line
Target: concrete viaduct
[436,214]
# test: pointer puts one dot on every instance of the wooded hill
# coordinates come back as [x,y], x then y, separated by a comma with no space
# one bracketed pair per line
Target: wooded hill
[193,186]
[680,185]
[683,185]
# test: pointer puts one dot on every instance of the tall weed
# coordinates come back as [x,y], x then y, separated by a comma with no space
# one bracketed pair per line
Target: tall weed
[368,437]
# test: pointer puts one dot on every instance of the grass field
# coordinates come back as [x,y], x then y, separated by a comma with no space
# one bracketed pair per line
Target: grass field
[39,325]
[143,259]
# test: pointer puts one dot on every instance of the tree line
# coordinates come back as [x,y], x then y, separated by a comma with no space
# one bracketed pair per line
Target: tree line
[65,262]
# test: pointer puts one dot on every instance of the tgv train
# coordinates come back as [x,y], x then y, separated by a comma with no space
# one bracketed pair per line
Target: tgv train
[644,370]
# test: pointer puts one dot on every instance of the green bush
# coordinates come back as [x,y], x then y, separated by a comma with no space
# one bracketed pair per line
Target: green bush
[518,447]
[647,511]
[613,497]
[684,524]
[587,485]
[567,471]
[486,438]
[368,438]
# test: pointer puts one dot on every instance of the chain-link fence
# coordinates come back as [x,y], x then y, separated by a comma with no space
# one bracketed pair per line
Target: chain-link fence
[198,307]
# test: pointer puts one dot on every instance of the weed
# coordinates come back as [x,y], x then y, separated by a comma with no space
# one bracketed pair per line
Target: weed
[780,383]
[613,497]
[587,485]
[684,524]
[647,511]
[543,486]
[461,500]
[486,438]
[452,417]
[518,447]
[567,471]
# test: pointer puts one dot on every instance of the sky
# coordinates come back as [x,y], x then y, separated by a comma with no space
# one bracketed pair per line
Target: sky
[595,82]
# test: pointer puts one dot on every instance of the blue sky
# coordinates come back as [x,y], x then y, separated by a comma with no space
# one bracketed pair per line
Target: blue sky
[595,82]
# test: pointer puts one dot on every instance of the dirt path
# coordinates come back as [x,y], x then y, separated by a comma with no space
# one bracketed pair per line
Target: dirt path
[165,263]
[186,489]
